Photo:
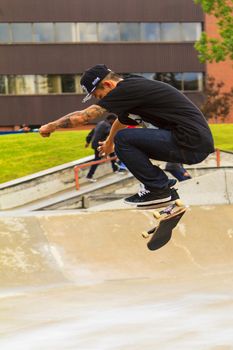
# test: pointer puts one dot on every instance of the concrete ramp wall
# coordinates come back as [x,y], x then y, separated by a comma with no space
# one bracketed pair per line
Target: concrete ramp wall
[87,248]
[214,188]
[25,254]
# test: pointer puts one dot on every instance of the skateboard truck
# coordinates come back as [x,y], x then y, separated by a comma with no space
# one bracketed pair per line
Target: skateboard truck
[168,210]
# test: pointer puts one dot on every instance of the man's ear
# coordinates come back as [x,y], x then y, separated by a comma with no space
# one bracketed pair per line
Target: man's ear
[108,84]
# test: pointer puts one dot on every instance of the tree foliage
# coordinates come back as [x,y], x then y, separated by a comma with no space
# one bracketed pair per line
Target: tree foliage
[217,103]
[217,49]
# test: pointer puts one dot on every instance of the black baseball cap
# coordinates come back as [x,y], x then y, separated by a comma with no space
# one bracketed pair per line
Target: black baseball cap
[91,78]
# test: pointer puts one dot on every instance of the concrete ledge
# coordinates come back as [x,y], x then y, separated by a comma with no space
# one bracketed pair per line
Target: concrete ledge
[229,185]
[42,173]
[211,189]
[73,199]
[215,188]
[44,183]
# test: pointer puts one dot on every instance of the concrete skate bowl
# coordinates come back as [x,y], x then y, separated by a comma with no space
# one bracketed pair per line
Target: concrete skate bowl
[88,281]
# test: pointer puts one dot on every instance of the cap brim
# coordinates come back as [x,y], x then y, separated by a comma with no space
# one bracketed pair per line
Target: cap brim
[88,96]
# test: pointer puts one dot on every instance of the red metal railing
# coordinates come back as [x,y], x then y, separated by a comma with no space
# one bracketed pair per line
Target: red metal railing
[217,152]
[85,165]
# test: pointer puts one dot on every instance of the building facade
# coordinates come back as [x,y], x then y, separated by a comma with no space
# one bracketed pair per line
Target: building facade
[45,45]
[221,71]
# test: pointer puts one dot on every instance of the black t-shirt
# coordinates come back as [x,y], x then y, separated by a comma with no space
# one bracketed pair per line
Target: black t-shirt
[164,107]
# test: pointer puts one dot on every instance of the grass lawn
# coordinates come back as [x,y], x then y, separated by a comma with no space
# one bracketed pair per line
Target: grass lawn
[223,136]
[26,154]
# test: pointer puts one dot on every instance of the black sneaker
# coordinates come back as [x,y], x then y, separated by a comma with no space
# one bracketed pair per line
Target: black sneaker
[174,197]
[172,182]
[174,194]
[145,197]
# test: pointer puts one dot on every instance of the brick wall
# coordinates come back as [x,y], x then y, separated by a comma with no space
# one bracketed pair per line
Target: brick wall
[222,71]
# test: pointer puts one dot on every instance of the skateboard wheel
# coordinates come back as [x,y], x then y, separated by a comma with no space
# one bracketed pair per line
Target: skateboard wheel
[145,234]
[157,214]
[179,203]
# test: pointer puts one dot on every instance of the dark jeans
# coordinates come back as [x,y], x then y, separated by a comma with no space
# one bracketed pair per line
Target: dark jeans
[95,166]
[135,148]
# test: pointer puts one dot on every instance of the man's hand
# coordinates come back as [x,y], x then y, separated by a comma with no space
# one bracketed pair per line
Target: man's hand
[47,129]
[105,148]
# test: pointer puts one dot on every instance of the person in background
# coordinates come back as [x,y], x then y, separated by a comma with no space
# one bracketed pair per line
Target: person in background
[96,135]
[24,128]
[178,171]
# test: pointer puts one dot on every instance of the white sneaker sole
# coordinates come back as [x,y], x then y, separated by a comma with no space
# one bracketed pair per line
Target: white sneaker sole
[156,201]
[91,180]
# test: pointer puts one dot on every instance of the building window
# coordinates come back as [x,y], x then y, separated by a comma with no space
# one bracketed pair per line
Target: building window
[191,31]
[43,32]
[3,85]
[101,31]
[21,84]
[21,32]
[108,32]
[87,31]
[150,32]
[48,84]
[192,81]
[147,75]
[68,83]
[41,84]
[129,31]
[65,32]
[170,32]
[78,89]
[4,33]
[174,79]
[182,81]
[54,84]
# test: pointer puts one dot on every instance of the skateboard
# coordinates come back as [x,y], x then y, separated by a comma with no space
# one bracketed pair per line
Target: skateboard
[168,219]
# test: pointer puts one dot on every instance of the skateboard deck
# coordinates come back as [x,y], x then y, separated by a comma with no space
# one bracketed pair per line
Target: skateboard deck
[168,219]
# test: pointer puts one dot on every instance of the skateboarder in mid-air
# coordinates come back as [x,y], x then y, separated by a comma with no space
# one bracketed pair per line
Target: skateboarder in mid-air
[182,134]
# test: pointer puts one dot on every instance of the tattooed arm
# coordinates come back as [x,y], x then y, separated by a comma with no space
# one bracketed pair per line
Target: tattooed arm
[73,120]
